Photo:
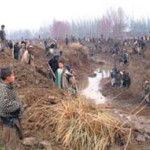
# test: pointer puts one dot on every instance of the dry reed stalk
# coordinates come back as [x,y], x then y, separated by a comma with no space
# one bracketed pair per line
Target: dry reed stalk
[80,126]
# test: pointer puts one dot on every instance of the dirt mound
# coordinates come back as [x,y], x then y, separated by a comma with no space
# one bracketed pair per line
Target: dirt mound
[27,76]
[139,71]
[39,93]
[115,93]
[6,58]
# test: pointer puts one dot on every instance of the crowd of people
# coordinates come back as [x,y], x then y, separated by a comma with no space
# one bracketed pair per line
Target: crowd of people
[62,74]
[23,53]
[11,107]
[20,51]
[120,78]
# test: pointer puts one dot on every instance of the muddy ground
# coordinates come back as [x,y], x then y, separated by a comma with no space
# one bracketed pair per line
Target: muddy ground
[33,84]
[124,99]
[128,101]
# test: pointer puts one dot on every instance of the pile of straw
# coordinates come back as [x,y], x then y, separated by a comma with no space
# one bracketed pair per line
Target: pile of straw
[78,53]
[77,124]
[84,126]
[79,48]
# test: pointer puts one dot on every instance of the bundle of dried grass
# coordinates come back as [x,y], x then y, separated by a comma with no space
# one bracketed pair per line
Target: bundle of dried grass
[82,125]
[77,123]
[78,53]
[78,47]
[41,110]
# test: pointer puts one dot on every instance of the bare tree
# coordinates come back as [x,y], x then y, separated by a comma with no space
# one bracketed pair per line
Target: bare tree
[117,21]
[60,29]
[104,26]
[139,27]
[113,23]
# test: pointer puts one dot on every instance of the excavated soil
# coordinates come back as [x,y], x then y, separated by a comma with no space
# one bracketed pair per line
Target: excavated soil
[35,89]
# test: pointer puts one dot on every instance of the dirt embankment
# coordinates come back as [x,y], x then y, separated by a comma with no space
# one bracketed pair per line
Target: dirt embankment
[36,90]
[127,99]
[44,100]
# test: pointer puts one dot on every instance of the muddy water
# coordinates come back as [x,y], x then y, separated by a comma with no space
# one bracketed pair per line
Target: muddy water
[93,89]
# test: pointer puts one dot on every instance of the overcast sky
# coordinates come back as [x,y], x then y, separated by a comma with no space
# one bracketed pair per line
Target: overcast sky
[31,14]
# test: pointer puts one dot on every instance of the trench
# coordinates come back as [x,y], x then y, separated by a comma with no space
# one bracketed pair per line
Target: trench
[139,124]
[92,91]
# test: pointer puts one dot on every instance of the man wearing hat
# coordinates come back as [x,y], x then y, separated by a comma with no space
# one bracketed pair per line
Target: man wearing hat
[31,56]
[2,38]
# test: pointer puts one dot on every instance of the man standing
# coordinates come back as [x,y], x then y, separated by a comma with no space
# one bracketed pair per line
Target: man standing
[62,76]
[22,50]
[11,109]
[28,57]
[146,92]
[66,40]
[53,63]
[126,80]
[2,38]
[114,74]
[45,43]
[125,58]
[16,52]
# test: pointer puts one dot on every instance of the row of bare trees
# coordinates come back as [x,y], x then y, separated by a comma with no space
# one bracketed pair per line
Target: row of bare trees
[114,23]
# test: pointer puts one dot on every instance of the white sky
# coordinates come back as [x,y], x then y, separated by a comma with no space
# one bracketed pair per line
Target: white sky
[31,14]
